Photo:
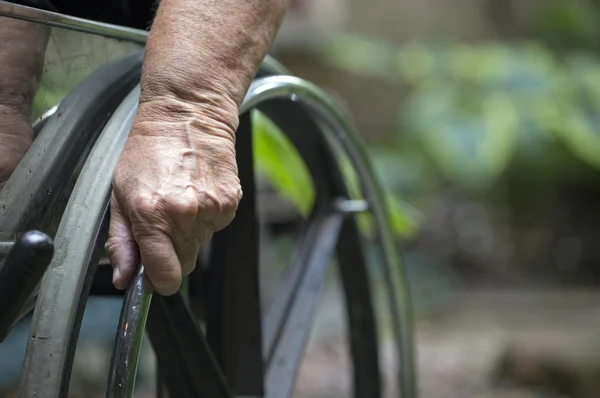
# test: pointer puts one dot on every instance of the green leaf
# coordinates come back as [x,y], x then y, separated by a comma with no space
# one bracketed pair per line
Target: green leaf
[404,218]
[359,55]
[278,159]
[416,62]
[580,130]
[469,134]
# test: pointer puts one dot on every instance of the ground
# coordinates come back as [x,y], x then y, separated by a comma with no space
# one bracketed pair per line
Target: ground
[484,344]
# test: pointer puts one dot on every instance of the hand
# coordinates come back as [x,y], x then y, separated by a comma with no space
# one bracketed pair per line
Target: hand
[21,64]
[15,140]
[175,185]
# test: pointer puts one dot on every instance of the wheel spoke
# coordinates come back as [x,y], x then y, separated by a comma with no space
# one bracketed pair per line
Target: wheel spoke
[290,321]
[353,272]
[339,131]
[188,367]
[234,323]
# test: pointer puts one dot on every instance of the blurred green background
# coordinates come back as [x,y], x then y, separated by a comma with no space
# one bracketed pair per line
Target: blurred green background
[482,118]
[502,120]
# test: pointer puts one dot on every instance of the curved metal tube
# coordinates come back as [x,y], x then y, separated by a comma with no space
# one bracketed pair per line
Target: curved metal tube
[341,131]
[72,23]
[49,18]
[132,323]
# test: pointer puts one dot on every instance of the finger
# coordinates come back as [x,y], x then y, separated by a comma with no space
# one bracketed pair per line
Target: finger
[187,252]
[122,249]
[161,264]
[187,249]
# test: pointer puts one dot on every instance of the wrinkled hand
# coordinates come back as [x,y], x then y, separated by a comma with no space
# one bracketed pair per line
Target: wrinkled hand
[175,185]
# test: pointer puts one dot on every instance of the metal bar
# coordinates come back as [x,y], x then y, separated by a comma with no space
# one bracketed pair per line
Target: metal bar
[161,387]
[276,316]
[188,367]
[353,271]
[72,23]
[350,206]
[297,325]
[20,273]
[234,316]
[130,333]
[5,247]
[270,65]
[173,376]
[341,131]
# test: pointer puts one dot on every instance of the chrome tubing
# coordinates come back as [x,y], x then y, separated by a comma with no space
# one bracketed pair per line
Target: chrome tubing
[130,333]
[341,130]
[71,23]
[99,28]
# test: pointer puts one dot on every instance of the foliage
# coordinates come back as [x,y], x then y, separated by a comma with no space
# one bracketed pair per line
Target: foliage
[277,158]
[476,110]
[569,24]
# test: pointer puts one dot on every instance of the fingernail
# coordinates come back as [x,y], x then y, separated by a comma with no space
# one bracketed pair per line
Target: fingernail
[116,276]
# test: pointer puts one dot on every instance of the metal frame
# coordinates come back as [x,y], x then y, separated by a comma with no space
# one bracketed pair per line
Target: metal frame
[97,28]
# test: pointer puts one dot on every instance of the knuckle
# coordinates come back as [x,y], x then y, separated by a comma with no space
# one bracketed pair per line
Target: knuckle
[185,206]
[112,245]
[220,208]
[230,199]
[224,202]
[144,205]
[147,206]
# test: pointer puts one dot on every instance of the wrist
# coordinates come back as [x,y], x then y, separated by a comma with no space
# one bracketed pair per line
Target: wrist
[202,113]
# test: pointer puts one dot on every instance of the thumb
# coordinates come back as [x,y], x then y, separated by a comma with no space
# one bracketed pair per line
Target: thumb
[123,251]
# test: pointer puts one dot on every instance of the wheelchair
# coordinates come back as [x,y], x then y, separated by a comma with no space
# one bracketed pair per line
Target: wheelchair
[214,338]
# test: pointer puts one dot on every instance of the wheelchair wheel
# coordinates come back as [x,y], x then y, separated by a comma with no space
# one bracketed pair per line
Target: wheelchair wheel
[245,351]
[37,192]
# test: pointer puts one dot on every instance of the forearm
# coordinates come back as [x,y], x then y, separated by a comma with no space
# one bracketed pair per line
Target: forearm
[21,62]
[206,52]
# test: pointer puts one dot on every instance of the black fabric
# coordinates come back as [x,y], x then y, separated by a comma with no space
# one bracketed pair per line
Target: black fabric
[132,13]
